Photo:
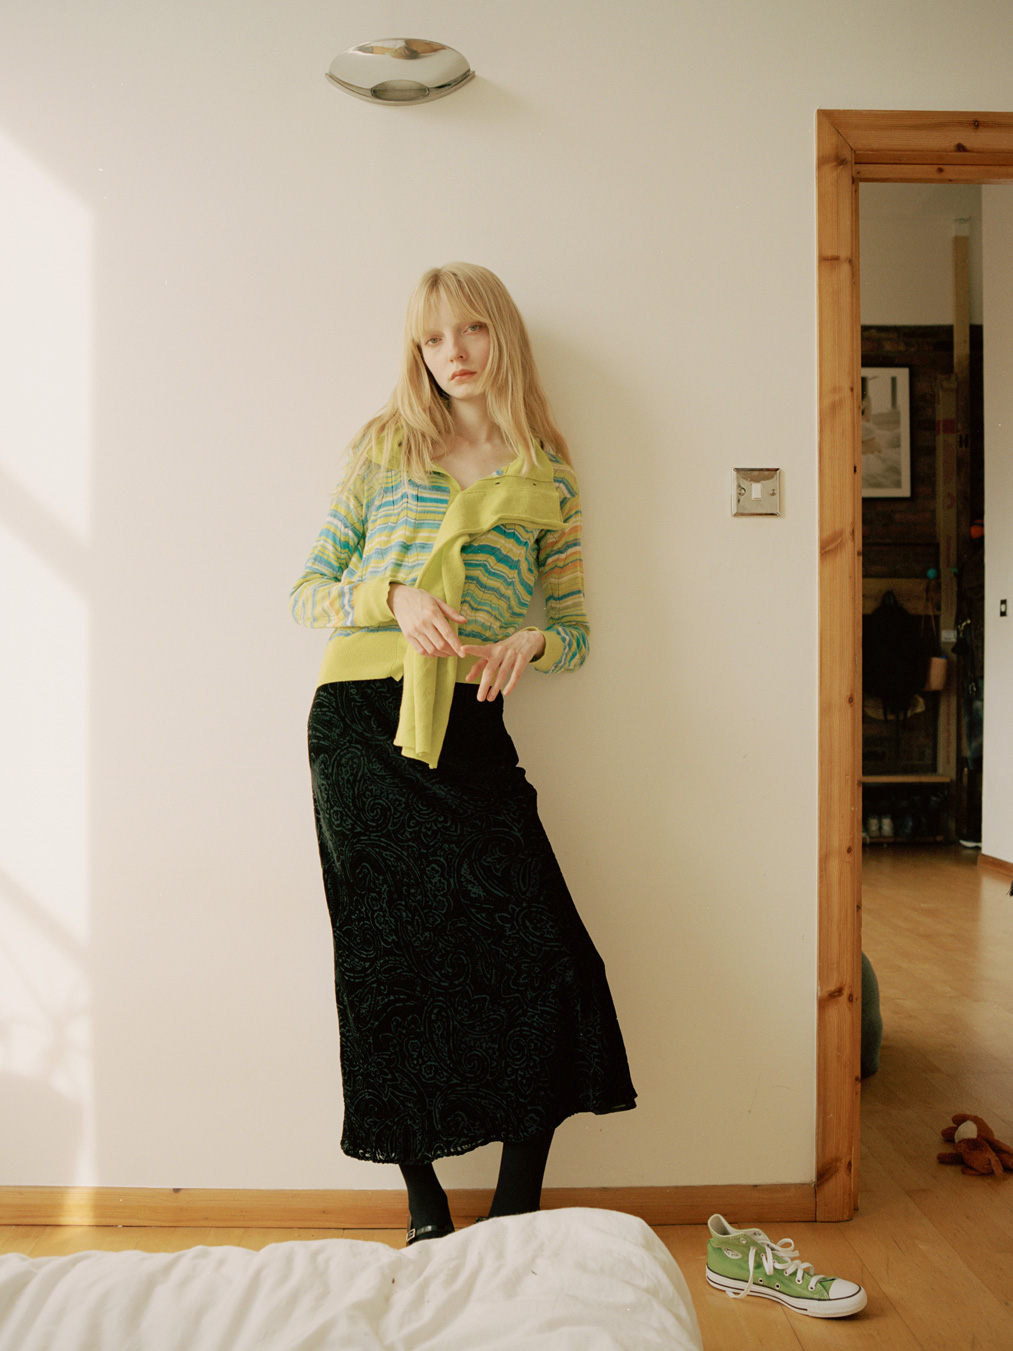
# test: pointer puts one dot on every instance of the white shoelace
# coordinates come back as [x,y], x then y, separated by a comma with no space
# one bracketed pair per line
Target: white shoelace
[781,1255]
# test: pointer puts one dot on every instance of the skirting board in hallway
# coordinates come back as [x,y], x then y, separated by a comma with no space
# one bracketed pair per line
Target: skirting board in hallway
[995,865]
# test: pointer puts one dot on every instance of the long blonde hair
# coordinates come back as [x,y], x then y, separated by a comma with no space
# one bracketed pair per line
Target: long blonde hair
[414,425]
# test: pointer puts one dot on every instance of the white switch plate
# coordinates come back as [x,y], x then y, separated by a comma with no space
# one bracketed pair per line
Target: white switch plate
[756,492]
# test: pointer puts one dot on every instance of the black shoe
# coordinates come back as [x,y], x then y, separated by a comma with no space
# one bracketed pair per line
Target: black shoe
[427,1231]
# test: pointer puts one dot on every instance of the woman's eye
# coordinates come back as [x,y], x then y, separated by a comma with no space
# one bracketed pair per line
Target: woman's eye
[431,342]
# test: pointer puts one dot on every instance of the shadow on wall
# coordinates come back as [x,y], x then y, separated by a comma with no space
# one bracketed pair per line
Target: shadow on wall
[617,733]
[609,734]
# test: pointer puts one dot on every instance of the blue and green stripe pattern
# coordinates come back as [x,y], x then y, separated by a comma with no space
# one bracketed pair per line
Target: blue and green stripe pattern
[382,528]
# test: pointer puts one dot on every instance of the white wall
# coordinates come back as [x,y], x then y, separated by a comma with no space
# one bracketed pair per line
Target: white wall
[997,768]
[906,239]
[217,246]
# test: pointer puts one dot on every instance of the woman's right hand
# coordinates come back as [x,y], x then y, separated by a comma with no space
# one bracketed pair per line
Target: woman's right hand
[425,621]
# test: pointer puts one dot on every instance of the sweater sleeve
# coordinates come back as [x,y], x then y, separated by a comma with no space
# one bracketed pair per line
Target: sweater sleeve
[321,599]
[561,571]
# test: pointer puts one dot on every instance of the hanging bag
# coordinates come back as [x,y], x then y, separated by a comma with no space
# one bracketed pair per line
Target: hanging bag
[895,656]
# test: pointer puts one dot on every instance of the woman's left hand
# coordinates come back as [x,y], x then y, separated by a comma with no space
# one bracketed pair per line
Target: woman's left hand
[500,665]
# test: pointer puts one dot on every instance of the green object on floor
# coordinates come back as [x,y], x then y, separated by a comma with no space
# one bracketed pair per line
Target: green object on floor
[746,1262]
[872,1020]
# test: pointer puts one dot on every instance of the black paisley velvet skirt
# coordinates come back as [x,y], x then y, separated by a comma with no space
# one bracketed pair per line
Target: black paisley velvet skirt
[472,1004]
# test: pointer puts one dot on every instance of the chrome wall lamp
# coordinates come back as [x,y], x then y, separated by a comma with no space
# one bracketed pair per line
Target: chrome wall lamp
[400,70]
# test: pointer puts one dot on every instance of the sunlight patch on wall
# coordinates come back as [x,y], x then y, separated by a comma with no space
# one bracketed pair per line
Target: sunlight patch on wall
[45,337]
[45,467]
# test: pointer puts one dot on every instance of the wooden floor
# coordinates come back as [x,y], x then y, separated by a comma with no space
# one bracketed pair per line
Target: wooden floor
[933,1248]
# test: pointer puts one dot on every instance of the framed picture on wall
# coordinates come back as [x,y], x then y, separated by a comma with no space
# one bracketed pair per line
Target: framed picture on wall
[886,432]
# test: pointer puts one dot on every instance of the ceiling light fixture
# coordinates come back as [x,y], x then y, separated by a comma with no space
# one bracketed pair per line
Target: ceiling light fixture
[400,70]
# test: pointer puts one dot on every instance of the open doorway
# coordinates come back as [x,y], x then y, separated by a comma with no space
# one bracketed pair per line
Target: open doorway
[853,147]
[923,530]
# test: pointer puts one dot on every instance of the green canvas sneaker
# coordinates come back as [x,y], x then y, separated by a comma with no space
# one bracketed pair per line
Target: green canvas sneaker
[745,1262]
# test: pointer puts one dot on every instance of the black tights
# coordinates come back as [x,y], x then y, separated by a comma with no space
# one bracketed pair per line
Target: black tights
[518,1188]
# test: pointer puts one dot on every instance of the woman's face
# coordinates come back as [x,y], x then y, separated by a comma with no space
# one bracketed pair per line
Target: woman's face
[456,351]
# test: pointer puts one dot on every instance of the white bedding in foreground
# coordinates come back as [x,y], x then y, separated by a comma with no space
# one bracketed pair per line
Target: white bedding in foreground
[560,1280]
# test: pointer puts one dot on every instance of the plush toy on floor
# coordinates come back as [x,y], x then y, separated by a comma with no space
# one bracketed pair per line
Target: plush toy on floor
[977,1148]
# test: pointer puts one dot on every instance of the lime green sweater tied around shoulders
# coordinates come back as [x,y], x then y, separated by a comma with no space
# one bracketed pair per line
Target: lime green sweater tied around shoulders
[480,549]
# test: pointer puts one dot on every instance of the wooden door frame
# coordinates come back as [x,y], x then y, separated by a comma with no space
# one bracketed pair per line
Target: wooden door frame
[854,147]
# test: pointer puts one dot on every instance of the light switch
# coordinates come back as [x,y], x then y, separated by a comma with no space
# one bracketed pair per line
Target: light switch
[756,492]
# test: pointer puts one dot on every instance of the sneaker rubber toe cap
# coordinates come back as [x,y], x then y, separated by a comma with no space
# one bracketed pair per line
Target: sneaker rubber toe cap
[843,1289]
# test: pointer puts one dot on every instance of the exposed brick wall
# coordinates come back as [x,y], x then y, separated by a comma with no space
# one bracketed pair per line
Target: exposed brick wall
[927,351]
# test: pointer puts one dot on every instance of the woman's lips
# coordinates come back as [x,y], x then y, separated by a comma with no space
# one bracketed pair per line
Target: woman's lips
[462,375]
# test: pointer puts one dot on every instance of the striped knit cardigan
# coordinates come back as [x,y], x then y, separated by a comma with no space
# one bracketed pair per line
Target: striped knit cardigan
[480,549]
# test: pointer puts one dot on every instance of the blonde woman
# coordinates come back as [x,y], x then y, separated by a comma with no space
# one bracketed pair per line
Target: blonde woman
[472,1004]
